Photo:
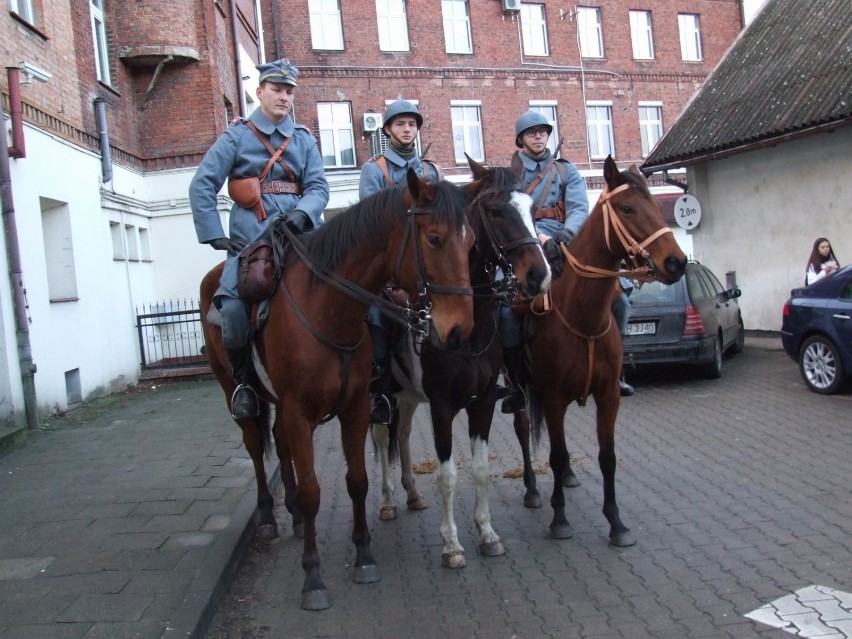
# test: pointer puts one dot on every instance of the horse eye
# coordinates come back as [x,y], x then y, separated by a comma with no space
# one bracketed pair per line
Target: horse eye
[628,210]
[434,240]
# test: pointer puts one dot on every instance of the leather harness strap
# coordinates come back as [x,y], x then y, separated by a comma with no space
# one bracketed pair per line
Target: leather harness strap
[276,154]
[382,163]
[280,186]
[591,341]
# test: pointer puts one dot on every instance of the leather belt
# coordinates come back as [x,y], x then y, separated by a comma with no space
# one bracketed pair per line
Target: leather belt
[552,213]
[280,186]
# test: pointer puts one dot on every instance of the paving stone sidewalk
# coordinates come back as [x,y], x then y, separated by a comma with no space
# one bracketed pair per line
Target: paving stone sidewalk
[125,517]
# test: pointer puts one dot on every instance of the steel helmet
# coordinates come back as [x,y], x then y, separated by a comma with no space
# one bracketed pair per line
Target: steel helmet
[527,121]
[402,107]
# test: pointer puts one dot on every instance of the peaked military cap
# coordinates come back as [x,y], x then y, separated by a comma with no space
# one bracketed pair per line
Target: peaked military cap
[279,71]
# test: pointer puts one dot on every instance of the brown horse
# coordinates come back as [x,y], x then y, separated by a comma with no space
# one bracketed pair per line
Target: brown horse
[466,379]
[312,356]
[576,350]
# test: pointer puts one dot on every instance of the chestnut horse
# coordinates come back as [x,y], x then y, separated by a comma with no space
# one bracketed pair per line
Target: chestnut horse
[467,378]
[313,359]
[576,349]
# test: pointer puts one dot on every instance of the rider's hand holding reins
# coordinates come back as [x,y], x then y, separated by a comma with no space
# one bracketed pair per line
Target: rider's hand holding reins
[553,253]
[231,245]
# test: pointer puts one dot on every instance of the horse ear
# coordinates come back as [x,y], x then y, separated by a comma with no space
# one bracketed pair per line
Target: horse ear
[635,171]
[476,168]
[612,176]
[421,191]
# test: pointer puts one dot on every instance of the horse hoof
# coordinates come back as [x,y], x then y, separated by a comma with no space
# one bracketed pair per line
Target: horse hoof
[387,513]
[622,539]
[561,532]
[267,531]
[299,531]
[453,560]
[316,600]
[532,500]
[366,574]
[492,549]
[570,481]
[417,503]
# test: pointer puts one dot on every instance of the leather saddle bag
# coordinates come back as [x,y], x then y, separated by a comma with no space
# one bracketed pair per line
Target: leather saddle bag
[245,192]
[257,276]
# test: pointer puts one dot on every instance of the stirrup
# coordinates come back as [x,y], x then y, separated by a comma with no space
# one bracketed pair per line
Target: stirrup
[381,411]
[248,407]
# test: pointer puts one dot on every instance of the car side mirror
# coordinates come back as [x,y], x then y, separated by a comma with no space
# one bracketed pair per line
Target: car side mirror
[733,293]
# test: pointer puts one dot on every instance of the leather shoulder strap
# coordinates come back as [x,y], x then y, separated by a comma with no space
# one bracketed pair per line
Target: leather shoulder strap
[275,153]
[382,163]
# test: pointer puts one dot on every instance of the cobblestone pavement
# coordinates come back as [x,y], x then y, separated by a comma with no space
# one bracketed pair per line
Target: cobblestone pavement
[737,491]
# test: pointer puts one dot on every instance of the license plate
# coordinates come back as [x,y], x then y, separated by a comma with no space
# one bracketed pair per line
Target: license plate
[642,328]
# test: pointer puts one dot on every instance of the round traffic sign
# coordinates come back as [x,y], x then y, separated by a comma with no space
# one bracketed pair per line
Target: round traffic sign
[687,211]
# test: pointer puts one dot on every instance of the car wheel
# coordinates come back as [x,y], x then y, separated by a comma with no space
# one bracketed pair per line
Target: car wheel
[713,370]
[820,365]
[739,343]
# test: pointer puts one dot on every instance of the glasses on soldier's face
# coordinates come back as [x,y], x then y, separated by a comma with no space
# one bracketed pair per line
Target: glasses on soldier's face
[532,133]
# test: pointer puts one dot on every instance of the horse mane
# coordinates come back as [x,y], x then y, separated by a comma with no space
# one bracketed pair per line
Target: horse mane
[367,223]
[637,181]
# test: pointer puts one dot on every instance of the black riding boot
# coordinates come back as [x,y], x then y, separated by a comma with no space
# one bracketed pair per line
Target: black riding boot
[381,398]
[244,401]
[624,388]
[513,359]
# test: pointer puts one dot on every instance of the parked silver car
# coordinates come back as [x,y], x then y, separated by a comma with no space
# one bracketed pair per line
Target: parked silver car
[694,321]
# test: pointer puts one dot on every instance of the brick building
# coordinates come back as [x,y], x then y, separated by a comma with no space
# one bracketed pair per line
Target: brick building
[120,100]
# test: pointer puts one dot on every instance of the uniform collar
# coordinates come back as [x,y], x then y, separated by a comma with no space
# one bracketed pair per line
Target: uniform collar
[285,127]
[395,158]
[534,164]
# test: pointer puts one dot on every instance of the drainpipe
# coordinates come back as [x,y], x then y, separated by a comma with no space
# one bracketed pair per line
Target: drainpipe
[275,38]
[103,132]
[19,302]
[18,149]
[232,6]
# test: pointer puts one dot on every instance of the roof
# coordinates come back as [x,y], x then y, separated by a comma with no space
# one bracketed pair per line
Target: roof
[788,74]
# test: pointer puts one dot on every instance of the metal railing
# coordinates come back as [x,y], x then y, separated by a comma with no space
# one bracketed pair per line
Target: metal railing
[170,334]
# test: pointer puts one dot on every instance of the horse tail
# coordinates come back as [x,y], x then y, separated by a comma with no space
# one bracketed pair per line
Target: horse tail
[393,438]
[264,424]
[536,414]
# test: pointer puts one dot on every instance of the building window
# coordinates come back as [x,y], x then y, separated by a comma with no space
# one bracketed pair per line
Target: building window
[393,25]
[58,250]
[100,40]
[591,34]
[23,9]
[117,241]
[337,141]
[144,245]
[599,126]
[548,109]
[642,35]
[534,29]
[467,130]
[457,36]
[690,37]
[326,26]
[650,125]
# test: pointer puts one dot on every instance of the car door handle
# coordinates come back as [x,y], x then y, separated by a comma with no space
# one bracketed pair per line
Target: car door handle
[839,316]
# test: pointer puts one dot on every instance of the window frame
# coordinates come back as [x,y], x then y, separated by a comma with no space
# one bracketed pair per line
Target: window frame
[335,128]
[690,34]
[540,106]
[534,30]
[599,126]
[100,42]
[27,14]
[389,35]
[453,23]
[467,126]
[587,30]
[642,34]
[646,124]
[321,18]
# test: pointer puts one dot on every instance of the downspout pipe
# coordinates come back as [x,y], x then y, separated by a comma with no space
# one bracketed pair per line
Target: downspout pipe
[103,132]
[19,301]
[18,150]
[232,7]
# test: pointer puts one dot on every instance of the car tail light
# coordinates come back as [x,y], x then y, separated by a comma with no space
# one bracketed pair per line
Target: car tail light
[694,324]
[786,311]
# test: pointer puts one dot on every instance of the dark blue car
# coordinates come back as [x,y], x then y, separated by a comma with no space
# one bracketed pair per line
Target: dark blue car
[817,331]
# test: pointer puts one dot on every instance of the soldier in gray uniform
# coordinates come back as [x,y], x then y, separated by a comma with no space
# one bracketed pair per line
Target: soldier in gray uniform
[560,207]
[294,193]
[401,123]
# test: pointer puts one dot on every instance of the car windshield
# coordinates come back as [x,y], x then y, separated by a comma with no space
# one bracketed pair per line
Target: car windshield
[655,293]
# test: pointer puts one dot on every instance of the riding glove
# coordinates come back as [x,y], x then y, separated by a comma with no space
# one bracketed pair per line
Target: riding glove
[553,253]
[231,245]
[296,221]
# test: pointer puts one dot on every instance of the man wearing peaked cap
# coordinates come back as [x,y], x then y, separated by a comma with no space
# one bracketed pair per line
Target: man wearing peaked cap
[294,192]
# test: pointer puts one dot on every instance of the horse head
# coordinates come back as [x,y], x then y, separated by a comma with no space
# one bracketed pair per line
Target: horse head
[501,215]
[633,217]
[440,239]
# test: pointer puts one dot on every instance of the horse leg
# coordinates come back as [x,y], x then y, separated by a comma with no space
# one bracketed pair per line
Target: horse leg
[354,425]
[255,438]
[452,554]
[414,500]
[554,416]
[569,479]
[479,427]
[381,438]
[607,411]
[288,476]
[532,498]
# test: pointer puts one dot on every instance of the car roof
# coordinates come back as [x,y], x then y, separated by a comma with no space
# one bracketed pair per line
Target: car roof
[829,286]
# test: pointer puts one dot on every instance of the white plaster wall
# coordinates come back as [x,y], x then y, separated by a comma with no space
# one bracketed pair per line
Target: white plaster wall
[762,211]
